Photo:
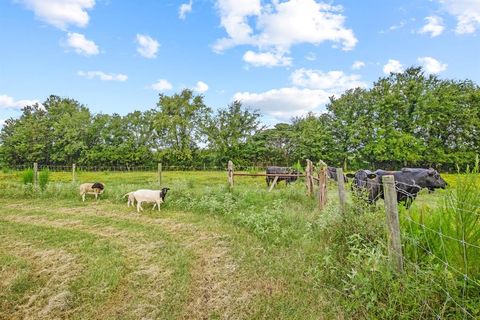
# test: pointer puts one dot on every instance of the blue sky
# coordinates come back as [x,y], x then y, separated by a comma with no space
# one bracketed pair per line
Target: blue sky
[284,57]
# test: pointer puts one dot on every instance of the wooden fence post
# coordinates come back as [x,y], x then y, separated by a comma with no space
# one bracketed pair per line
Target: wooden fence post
[341,190]
[159,170]
[393,224]
[35,174]
[322,188]
[73,172]
[230,174]
[309,178]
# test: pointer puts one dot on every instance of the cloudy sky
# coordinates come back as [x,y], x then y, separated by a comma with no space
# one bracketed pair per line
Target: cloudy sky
[284,57]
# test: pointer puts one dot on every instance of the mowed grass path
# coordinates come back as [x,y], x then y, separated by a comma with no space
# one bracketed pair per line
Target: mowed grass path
[208,254]
[61,258]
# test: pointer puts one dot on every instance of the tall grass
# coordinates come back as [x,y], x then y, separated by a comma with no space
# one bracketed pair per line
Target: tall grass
[28,176]
[43,179]
[448,237]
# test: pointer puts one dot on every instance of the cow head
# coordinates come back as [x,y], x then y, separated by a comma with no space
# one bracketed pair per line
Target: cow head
[361,178]
[365,185]
[433,180]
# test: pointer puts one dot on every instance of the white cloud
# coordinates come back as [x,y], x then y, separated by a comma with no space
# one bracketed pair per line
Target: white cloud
[201,87]
[467,13]
[281,25]
[61,13]
[432,65]
[8,102]
[310,92]
[284,103]
[333,81]
[147,46]
[358,65]
[392,66]
[266,59]
[184,9]
[2,123]
[162,85]
[81,45]
[103,76]
[434,26]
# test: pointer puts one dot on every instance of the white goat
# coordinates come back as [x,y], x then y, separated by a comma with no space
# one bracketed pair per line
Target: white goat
[91,188]
[145,195]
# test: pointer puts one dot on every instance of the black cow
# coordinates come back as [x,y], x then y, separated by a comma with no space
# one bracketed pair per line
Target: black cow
[332,174]
[408,182]
[427,178]
[280,170]
[365,185]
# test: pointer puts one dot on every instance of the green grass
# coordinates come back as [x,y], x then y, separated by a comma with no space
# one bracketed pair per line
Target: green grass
[209,253]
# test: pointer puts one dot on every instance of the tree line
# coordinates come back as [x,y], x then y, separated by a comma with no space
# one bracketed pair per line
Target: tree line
[404,119]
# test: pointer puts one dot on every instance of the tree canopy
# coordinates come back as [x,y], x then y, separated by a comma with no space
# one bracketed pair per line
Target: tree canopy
[404,119]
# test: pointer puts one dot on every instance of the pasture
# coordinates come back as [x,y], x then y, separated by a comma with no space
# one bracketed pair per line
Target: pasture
[209,253]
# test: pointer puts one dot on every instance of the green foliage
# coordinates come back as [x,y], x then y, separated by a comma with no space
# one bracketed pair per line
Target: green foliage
[43,179]
[298,167]
[28,176]
[356,271]
[404,119]
[448,237]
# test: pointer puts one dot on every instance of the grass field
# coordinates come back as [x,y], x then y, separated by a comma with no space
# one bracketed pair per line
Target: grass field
[208,254]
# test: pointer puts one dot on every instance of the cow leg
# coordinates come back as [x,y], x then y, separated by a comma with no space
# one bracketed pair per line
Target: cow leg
[83,197]
[158,204]
[139,206]
[267,179]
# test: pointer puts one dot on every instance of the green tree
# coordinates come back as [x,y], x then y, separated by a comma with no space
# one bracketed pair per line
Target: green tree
[179,122]
[26,139]
[228,131]
[69,122]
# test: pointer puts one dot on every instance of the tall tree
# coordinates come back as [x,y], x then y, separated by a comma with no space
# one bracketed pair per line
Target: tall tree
[69,122]
[228,131]
[26,139]
[179,122]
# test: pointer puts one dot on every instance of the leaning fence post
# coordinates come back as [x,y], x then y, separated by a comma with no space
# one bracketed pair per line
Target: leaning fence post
[230,174]
[159,170]
[341,190]
[73,172]
[322,188]
[35,174]
[393,224]
[309,178]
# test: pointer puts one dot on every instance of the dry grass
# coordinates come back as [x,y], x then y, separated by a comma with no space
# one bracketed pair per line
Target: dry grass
[214,287]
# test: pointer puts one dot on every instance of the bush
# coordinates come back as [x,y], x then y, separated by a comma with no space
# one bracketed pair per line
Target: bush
[43,179]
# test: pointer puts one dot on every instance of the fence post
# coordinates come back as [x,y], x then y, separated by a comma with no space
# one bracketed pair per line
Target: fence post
[341,190]
[393,224]
[309,178]
[73,172]
[230,174]
[159,171]
[322,188]
[35,174]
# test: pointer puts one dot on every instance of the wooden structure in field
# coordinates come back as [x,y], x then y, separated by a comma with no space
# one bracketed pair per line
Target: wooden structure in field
[309,176]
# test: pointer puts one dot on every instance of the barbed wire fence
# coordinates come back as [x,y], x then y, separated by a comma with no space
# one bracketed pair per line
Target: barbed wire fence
[133,168]
[425,243]
[422,244]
